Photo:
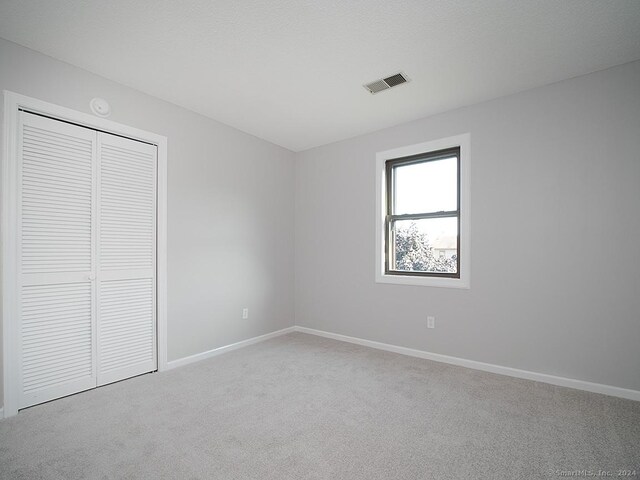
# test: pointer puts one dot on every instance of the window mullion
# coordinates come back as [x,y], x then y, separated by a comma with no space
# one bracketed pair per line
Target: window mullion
[422,216]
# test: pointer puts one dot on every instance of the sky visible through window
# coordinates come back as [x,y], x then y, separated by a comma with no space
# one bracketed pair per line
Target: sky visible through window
[426,188]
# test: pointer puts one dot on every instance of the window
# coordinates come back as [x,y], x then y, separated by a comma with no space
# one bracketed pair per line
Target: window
[423,215]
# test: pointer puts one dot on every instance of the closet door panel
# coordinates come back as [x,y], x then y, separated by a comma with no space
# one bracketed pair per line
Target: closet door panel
[56,216]
[127,334]
[57,337]
[126,258]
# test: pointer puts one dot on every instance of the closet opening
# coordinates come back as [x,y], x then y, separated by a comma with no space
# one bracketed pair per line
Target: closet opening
[84,252]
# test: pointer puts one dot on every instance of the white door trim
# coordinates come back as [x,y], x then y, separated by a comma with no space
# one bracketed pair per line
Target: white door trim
[13,102]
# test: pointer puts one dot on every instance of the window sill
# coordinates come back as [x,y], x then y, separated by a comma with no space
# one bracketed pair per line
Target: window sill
[423,281]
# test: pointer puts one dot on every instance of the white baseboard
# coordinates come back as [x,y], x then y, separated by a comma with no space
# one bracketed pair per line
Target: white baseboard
[486,367]
[227,348]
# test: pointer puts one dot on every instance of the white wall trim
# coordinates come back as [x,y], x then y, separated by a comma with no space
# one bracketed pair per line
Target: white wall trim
[227,348]
[485,367]
[12,103]
[462,141]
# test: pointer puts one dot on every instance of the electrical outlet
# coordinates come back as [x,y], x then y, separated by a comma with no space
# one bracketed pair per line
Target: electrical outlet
[245,313]
[431,322]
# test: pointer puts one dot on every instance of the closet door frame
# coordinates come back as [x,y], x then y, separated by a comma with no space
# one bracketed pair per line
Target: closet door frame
[13,103]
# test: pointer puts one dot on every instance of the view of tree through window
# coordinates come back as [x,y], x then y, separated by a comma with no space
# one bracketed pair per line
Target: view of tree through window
[415,252]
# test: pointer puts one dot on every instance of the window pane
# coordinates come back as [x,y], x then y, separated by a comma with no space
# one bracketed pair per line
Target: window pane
[428,245]
[426,187]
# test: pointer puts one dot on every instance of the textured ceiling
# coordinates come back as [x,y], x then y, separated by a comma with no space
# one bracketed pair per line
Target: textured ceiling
[291,71]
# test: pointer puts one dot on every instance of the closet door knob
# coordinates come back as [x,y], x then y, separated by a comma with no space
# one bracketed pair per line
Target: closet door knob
[91,277]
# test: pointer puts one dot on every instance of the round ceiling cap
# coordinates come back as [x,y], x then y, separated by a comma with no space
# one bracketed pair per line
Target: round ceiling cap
[100,107]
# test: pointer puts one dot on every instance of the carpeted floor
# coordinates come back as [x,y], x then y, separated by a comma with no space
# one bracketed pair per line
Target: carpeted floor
[303,407]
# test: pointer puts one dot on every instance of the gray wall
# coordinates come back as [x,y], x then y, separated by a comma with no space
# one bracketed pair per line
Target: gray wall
[555,233]
[230,199]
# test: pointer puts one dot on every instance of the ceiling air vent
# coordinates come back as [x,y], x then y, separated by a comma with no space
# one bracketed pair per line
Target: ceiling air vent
[387,83]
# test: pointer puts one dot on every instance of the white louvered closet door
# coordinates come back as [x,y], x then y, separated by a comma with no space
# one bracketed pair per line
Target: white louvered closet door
[126,258]
[87,258]
[56,225]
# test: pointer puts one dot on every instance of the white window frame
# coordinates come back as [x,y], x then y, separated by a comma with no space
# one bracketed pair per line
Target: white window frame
[13,103]
[462,141]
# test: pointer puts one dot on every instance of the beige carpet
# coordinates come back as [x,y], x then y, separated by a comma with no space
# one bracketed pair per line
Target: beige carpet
[303,407]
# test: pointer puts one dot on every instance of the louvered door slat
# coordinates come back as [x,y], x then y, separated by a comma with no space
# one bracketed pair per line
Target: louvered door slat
[56,225]
[126,256]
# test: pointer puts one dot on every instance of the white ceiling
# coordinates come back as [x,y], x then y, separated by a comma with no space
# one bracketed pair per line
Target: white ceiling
[291,71]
